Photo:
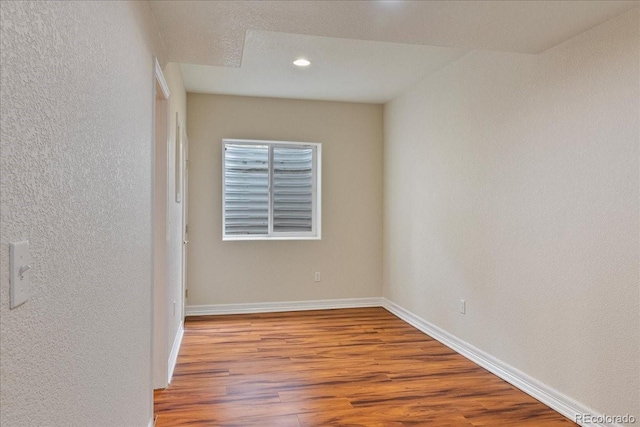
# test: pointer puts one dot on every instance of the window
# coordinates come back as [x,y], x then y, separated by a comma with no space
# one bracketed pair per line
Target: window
[271,190]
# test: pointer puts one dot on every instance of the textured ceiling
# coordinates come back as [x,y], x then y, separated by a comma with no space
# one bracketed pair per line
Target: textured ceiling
[229,34]
[342,69]
[212,32]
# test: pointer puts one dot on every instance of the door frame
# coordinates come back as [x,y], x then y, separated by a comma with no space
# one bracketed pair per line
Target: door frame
[160,199]
[185,218]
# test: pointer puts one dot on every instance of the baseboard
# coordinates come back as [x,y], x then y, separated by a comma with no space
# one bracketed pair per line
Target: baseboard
[557,401]
[175,349]
[274,307]
[152,422]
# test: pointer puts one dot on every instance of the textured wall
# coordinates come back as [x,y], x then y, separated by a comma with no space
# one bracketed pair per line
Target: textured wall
[512,181]
[76,108]
[349,256]
[177,104]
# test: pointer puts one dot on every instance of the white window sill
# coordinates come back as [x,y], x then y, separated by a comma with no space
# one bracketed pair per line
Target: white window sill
[239,238]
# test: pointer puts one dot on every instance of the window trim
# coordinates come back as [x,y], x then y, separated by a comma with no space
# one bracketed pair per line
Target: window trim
[316,212]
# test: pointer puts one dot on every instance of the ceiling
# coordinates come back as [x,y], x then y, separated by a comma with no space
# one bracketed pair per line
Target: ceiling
[362,51]
[342,69]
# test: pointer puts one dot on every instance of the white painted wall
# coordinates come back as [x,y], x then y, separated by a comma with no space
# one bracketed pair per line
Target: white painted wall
[512,181]
[349,256]
[76,140]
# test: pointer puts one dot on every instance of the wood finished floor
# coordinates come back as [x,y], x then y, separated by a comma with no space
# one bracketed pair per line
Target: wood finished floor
[352,367]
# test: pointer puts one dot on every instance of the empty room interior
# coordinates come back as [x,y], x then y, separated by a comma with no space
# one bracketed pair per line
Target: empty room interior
[319,213]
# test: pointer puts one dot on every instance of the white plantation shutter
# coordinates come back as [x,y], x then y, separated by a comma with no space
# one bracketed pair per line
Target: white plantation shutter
[270,190]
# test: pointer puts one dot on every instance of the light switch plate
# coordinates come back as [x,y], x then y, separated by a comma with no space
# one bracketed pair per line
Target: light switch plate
[20,278]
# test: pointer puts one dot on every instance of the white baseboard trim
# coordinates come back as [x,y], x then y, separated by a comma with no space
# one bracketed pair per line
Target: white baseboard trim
[152,422]
[274,307]
[557,401]
[175,349]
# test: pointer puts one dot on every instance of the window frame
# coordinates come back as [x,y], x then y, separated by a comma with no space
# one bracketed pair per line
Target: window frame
[316,210]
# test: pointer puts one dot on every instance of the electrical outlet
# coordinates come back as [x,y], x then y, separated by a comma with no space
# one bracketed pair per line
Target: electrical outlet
[463,306]
[316,277]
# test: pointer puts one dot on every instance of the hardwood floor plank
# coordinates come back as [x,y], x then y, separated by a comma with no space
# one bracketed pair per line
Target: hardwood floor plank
[350,367]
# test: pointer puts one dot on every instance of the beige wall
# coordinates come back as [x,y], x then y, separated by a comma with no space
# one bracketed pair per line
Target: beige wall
[349,256]
[76,142]
[511,181]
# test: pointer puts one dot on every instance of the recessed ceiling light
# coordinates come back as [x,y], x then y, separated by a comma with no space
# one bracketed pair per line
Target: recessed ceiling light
[302,62]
